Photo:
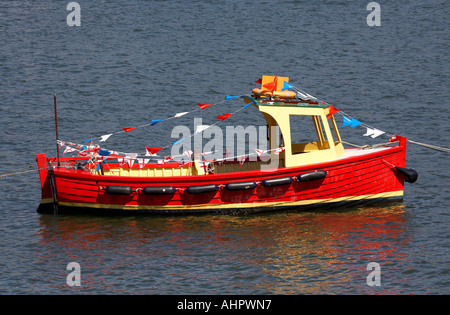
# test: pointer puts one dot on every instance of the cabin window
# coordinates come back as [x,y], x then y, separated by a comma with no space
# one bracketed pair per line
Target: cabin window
[307,134]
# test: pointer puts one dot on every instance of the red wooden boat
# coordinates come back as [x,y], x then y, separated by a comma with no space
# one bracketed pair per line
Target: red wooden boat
[316,174]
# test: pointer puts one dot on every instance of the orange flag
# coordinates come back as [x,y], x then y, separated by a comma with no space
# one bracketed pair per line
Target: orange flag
[204,105]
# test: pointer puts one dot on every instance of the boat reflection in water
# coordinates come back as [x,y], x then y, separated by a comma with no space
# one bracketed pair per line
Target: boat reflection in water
[277,253]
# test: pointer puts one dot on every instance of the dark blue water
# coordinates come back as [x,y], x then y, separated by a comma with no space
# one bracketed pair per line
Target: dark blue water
[133,61]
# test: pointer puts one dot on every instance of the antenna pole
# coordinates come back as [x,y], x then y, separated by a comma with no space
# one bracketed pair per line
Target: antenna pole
[56,127]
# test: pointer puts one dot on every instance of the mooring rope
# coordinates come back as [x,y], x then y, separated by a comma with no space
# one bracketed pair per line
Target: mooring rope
[431,146]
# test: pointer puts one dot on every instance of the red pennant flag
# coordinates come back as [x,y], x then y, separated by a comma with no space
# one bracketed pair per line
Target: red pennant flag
[332,111]
[204,105]
[272,86]
[152,151]
[128,129]
[258,81]
[223,117]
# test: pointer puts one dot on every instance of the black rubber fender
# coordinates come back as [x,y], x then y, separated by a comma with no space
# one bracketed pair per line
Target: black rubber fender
[118,190]
[410,174]
[241,185]
[310,176]
[159,190]
[270,182]
[202,189]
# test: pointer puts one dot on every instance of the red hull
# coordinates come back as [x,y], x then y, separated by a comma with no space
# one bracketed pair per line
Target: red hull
[356,179]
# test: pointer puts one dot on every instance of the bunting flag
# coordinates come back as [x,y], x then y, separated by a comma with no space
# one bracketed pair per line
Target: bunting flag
[105,137]
[68,149]
[103,152]
[230,97]
[223,117]
[373,132]
[200,128]
[205,105]
[333,111]
[178,141]
[180,114]
[258,81]
[259,152]
[88,140]
[188,153]
[241,159]
[152,151]
[286,86]
[248,104]
[154,122]
[350,122]
[278,150]
[128,129]
[272,86]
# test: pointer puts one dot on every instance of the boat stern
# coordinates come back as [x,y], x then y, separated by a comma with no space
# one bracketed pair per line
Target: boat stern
[47,197]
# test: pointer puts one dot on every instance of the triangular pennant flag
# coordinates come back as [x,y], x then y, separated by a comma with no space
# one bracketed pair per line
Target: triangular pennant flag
[105,137]
[278,150]
[241,159]
[87,140]
[258,81]
[154,122]
[205,105]
[272,86]
[223,117]
[178,141]
[347,121]
[286,86]
[152,151]
[188,153]
[230,97]
[355,123]
[260,152]
[333,111]
[103,152]
[68,149]
[61,144]
[180,114]
[248,104]
[128,129]
[200,128]
[376,133]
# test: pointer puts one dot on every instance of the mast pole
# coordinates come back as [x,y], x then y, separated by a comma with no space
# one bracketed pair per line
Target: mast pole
[56,127]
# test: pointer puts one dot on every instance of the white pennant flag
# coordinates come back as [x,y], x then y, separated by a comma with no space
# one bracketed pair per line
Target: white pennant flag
[200,128]
[241,159]
[68,149]
[180,114]
[188,153]
[260,152]
[105,137]
[373,132]
[278,150]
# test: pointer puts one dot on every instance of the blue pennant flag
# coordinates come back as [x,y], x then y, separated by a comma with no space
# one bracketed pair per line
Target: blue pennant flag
[103,152]
[355,123]
[178,141]
[350,122]
[248,104]
[154,122]
[347,121]
[87,140]
[230,97]
[286,86]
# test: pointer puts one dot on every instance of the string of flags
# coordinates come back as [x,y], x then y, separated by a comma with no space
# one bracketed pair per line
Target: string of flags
[100,155]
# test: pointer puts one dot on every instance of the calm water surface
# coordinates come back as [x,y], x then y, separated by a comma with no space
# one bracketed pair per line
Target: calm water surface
[133,61]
